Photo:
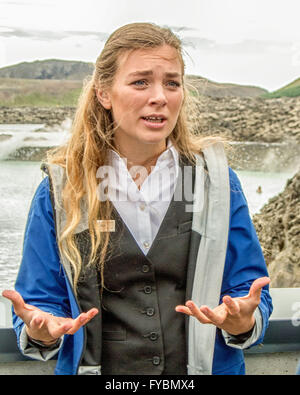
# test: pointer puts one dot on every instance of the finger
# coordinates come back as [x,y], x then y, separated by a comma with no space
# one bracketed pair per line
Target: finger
[17,301]
[92,312]
[82,319]
[77,324]
[183,309]
[14,297]
[197,313]
[256,287]
[214,318]
[57,330]
[36,323]
[232,305]
[89,315]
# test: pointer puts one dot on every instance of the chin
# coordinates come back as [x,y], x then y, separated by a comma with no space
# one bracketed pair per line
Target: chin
[154,138]
[153,141]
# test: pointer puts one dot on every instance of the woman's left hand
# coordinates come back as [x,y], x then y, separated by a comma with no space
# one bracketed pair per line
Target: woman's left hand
[234,315]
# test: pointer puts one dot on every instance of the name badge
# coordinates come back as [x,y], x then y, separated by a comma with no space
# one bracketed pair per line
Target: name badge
[106,225]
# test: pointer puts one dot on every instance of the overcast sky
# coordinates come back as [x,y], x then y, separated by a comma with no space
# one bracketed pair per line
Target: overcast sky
[253,42]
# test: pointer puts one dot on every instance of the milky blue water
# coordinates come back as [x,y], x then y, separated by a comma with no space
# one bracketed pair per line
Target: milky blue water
[18,181]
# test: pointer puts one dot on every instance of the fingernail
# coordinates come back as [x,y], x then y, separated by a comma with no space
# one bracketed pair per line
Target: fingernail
[204,309]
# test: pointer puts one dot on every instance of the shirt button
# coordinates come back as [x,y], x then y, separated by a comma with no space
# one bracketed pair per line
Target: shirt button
[147,289]
[150,311]
[156,360]
[153,336]
[146,244]
[145,268]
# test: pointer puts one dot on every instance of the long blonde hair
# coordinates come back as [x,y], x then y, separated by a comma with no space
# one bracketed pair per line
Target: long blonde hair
[92,136]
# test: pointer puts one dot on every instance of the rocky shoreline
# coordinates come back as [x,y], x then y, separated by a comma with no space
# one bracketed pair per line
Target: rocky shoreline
[260,125]
[238,118]
[49,116]
[249,119]
[278,229]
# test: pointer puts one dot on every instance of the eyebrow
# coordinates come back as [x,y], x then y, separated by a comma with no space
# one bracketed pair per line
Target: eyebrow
[145,73]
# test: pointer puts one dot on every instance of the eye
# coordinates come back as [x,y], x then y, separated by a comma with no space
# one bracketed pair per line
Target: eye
[140,83]
[173,84]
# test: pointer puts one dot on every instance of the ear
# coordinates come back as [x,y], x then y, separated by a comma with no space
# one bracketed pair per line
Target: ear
[104,98]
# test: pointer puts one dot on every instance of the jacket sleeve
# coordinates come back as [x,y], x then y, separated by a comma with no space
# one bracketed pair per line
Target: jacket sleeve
[41,280]
[244,262]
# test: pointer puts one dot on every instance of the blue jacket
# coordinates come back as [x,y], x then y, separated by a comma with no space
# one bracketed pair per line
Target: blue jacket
[42,281]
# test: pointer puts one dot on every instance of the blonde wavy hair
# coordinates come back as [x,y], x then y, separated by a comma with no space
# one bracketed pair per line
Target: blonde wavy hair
[92,136]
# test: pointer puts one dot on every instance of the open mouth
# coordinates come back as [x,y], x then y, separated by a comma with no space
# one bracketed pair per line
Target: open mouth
[154,119]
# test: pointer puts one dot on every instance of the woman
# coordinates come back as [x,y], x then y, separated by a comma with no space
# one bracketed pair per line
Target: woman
[117,275]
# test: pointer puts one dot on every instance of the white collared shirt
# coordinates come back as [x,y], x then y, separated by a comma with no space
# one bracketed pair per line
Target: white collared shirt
[143,210]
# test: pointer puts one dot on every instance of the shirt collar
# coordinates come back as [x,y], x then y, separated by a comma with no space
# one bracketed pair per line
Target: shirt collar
[170,155]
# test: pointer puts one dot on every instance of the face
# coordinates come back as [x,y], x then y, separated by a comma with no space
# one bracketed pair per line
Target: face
[146,97]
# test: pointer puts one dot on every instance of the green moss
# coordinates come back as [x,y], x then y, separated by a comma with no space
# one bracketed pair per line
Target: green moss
[290,90]
[287,92]
[37,99]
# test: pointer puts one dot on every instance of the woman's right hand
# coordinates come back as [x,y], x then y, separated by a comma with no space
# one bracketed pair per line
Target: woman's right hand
[43,326]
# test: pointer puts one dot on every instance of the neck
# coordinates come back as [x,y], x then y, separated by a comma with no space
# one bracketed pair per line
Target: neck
[145,156]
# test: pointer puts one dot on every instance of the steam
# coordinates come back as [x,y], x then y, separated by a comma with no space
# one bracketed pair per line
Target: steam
[32,136]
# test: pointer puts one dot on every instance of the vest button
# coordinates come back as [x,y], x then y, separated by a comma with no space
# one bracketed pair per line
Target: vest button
[145,268]
[156,360]
[153,336]
[150,311]
[147,289]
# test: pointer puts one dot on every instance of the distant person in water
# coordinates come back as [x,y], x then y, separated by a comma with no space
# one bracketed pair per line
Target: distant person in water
[139,253]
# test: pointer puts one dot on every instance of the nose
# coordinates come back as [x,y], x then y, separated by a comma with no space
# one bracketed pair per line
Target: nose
[158,96]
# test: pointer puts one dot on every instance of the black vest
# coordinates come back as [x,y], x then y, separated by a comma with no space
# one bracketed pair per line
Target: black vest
[141,331]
